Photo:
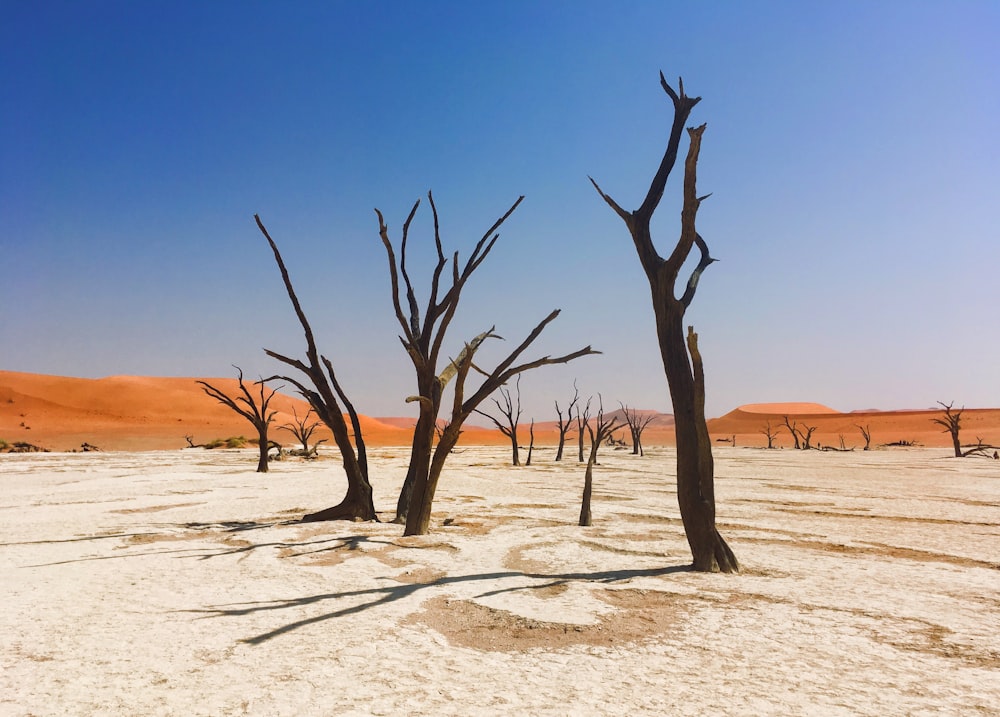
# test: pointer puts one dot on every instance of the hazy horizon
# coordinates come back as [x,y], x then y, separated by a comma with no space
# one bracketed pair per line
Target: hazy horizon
[851,153]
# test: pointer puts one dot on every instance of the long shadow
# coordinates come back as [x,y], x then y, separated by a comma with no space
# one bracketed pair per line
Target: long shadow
[389,594]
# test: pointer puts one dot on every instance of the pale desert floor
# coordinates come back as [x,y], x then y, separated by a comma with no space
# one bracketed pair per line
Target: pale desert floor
[174,583]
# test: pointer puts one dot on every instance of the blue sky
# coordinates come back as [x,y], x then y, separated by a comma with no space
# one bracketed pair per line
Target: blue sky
[852,152]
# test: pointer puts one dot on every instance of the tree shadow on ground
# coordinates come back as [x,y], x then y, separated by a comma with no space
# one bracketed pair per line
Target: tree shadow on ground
[385,595]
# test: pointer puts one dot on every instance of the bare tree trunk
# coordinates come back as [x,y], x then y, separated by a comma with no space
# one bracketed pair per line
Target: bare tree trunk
[588,485]
[511,410]
[582,424]
[770,433]
[695,467]
[566,426]
[422,336]
[952,423]
[866,433]
[793,429]
[325,397]
[604,430]
[253,409]
[531,439]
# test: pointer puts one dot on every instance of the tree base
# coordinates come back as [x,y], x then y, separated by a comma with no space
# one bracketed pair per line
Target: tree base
[343,511]
[721,559]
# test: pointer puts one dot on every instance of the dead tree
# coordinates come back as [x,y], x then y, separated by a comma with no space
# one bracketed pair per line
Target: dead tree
[303,431]
[565,426]
[636,423]
[793,428]
[531,441]
[771,434]
[806,434]
[605,427]
[582,424]
[682,363]
[325,395]
[423,336]
[952,424]
[866,433]
[979,448]
[511,411]
[251,408]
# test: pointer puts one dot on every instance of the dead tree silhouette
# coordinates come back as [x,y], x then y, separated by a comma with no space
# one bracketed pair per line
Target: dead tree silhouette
[682,360]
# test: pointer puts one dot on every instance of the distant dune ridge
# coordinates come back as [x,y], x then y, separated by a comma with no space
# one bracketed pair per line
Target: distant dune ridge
[147,413]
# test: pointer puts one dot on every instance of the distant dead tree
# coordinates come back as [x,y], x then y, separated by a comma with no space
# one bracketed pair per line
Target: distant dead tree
[866,433]
[682,360]
[792,427]
[531,441]
[303,431]
[605,427]
[254,409]
[325,395]
[423,337]
[771,434]
[582,424]
[979,448]
[806,432]
[565,426]
[952,423]
[510,409]
[636,423]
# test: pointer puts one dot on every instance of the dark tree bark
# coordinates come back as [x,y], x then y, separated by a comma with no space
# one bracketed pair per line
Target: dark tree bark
[582,424]
[423,337]
[531,441]
[807,436]
[866,433]
[565,426]
[324,396]
[684,370]
[511,411]
[794,430]
[303,431]
[605,427]
[252,409]
[952,423]
[771,434]
[636,423]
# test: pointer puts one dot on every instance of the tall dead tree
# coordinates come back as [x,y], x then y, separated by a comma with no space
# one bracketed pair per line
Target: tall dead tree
[952,423]
[423,336]
[253,409]
[325,395]
[682,361]
[510,409]
[636,423]
[565,426]
[605,428]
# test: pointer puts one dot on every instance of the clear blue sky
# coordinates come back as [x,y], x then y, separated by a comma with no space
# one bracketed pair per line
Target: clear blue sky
[853,153]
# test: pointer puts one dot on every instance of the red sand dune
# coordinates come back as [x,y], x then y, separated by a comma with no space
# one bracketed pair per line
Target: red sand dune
[142,413]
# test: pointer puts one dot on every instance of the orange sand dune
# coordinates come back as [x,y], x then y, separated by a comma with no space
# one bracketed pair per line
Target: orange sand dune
[786,409]
[830,426]
[144,413]
[140,413]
